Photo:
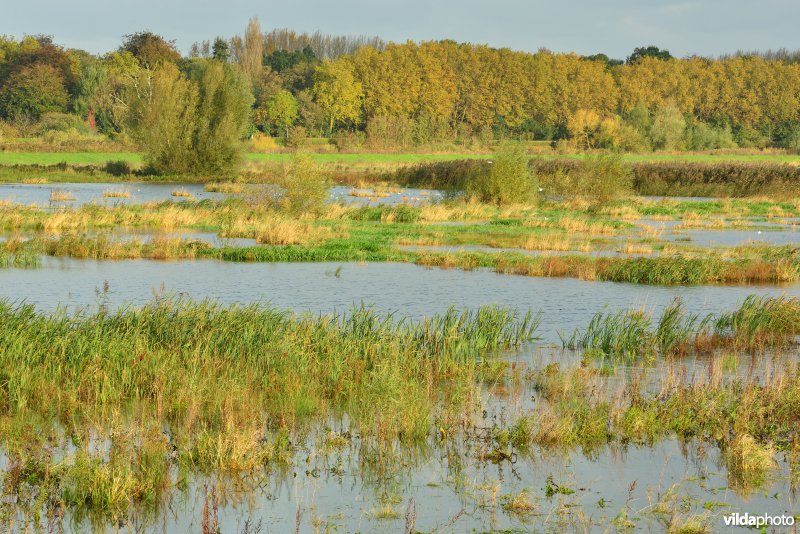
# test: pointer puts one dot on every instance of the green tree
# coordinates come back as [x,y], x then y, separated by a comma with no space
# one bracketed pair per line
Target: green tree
[281,111]
[648,51]
[31,91]
[222,118]
[221,50]
[193,125]
[668,127]
[305,186]
[163,121]
[150,49]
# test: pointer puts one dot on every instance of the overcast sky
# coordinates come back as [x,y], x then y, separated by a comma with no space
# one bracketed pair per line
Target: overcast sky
[615,27]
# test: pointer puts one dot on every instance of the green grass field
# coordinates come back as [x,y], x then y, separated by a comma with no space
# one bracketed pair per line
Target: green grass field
[98,158]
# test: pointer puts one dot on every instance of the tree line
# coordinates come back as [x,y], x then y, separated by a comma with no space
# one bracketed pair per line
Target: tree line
[363,91]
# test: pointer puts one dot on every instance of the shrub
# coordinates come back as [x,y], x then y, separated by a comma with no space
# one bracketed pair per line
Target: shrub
[345,140]
[305,186]
[444,175]
[509,178]
[62,122]
[297,136]
[703,137]
[602,177]
[193,124]
[714,179]
[263,143]
[118,168]
[7,131]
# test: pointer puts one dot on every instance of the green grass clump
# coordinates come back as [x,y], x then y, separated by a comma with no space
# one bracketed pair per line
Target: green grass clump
[22,258]
[760,322]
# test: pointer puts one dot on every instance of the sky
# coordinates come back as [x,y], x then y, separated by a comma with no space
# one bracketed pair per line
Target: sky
[614,27]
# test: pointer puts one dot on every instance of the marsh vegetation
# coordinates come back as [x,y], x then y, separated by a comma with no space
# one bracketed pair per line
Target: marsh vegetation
[228,304]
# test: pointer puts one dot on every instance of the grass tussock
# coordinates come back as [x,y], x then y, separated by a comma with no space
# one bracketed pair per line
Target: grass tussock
[181,193]
[60,195]
[116,194]
[748,462]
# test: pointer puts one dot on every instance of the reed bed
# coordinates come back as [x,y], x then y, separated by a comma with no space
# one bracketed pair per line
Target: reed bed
[198,363]
[144,400]
[749,418]
[758,324]
[103,247]
[17,254]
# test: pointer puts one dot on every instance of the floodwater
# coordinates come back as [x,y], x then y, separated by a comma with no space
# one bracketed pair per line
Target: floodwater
[405,289]
[449,497]
[732,238]
[143,192]
[452,491]
[86,193]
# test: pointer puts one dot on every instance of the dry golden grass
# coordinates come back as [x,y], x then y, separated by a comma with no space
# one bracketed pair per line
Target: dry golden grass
[273,230]
[116,194]
[33,181]
[554,243]
[635,248]
[368,194]
[225,187]
[749,463]
[182,193]
[421,241]
[625,213]
[466,211]
[652,231]
[59,195]
[572,224]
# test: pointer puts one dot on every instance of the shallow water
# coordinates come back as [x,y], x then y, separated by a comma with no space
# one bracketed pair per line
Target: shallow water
[452,489]
[142,192]
[732,238]
[597,253]
[409,196]
[86,193]
[405,289]
[442,491]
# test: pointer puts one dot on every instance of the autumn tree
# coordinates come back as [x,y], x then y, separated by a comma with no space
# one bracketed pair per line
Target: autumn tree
[251,55]
[338,93]
[150,49]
